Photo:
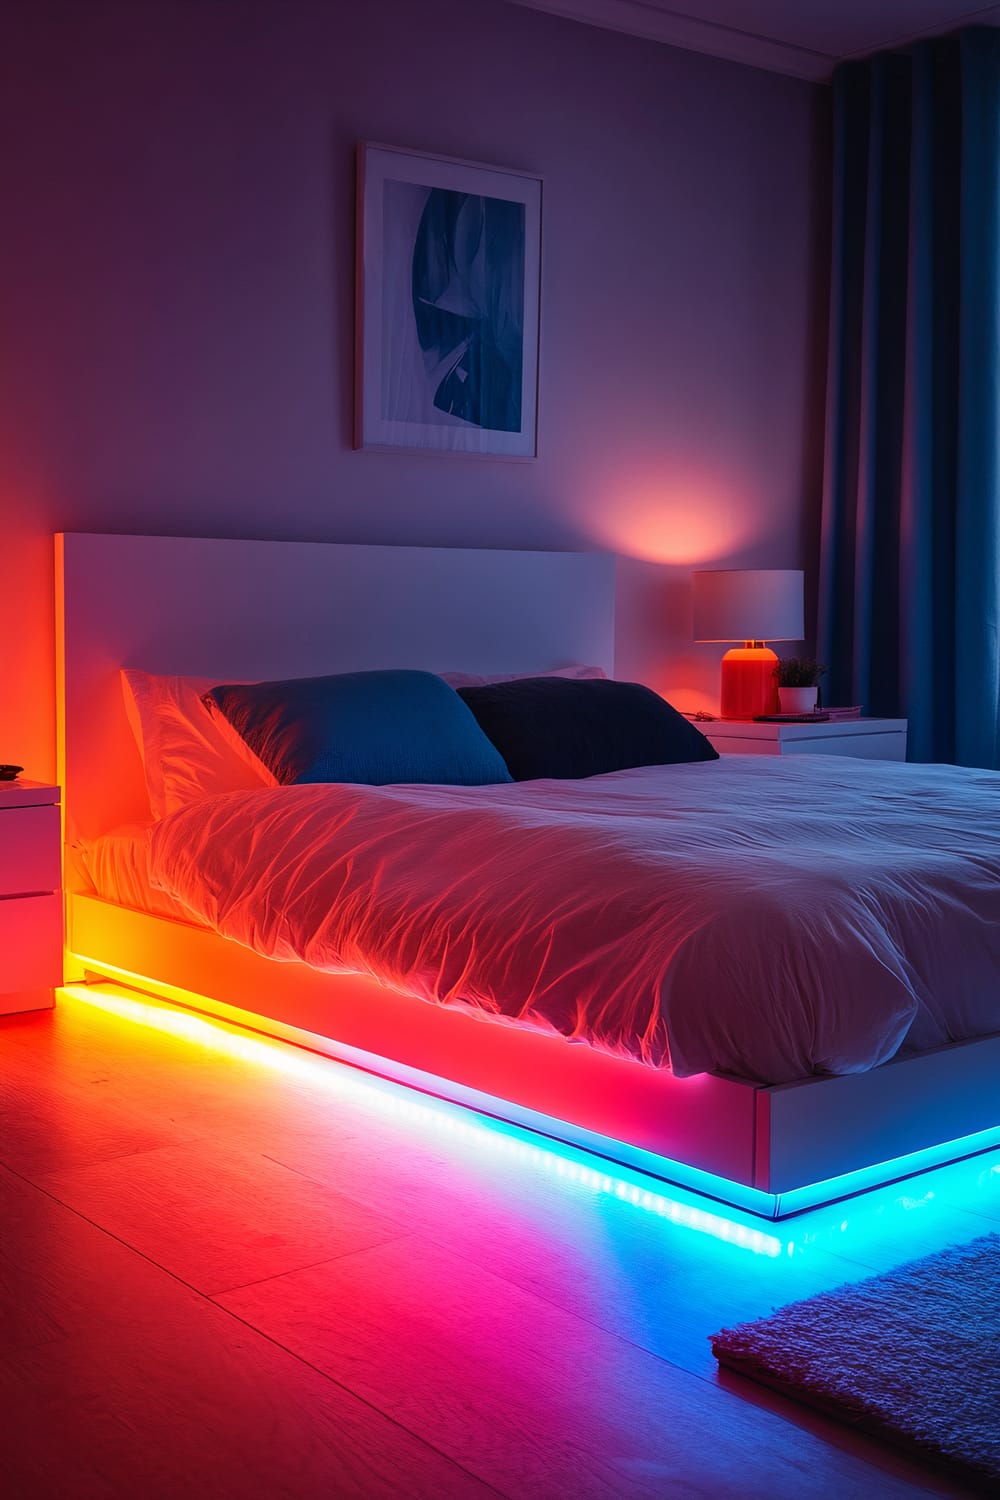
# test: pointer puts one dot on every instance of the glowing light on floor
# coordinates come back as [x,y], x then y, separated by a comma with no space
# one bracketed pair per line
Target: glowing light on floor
[878,1198]
[453,1120]
[896,1171]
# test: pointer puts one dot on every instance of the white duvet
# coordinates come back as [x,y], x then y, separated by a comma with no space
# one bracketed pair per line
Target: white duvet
[766,917]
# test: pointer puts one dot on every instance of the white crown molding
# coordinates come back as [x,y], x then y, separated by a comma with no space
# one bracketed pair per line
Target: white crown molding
[676,29]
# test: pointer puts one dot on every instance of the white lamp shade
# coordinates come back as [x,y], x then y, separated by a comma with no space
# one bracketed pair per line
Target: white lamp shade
[748,604]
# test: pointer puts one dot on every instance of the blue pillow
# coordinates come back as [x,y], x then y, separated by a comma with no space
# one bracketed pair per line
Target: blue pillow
[555,727]
[368,727]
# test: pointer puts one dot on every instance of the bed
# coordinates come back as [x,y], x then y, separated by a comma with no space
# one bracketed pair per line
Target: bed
[240,610]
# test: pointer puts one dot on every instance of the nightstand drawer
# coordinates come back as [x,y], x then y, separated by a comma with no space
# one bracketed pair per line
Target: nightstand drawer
[31,943]
[858,746]
[29,850]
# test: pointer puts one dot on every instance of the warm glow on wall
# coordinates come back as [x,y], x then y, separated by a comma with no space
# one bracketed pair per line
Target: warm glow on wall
[690,520]
[27,688]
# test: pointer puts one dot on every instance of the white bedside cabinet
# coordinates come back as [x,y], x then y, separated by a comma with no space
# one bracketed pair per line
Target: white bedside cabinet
[869,739]
[31,924]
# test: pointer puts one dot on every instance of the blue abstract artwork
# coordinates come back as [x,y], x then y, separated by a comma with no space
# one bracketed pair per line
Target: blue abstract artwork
[468,303]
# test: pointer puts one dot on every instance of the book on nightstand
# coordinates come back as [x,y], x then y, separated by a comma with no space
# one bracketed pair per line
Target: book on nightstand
[815,716]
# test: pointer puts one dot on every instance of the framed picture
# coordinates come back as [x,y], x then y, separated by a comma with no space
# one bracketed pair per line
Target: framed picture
[449,261]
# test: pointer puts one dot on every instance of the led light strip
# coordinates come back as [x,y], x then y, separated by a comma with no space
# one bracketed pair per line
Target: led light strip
[403,1103]
[531,1139]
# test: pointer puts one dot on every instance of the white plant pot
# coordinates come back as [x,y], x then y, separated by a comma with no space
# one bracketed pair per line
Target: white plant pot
[798,700]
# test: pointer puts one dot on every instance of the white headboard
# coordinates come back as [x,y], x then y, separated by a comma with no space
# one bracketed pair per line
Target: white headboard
[286,609]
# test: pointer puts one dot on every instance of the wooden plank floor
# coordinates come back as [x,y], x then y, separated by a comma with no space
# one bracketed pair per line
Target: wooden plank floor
[231,1269]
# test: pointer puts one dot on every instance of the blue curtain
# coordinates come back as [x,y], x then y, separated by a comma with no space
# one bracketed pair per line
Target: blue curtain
[909,606]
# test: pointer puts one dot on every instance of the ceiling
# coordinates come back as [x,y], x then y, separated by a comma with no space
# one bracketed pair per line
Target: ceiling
[804,38]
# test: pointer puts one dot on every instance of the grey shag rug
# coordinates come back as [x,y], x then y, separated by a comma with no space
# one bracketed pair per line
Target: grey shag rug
[912,1357]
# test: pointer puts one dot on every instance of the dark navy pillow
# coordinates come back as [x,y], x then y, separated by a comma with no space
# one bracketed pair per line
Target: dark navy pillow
[552,726]
[369,727]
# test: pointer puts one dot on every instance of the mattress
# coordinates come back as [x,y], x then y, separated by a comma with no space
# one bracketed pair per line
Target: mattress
[769,918]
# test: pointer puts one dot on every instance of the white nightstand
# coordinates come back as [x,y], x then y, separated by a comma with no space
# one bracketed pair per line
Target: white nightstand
[31,924]
[868,739]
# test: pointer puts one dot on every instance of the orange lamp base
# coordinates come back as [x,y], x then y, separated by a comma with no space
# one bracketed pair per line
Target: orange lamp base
[749,686]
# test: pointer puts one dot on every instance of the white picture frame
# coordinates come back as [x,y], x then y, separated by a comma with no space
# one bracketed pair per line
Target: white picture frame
[448,305]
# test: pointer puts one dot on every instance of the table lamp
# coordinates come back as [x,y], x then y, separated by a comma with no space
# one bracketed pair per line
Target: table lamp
[752,605]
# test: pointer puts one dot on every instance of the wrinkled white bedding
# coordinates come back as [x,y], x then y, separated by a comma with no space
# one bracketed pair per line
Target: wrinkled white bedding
[116,865]
[759,916]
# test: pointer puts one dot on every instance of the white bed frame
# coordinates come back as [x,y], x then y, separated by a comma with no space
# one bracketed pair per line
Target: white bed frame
[274,609]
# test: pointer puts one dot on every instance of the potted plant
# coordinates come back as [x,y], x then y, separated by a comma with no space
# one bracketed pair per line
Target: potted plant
[798,683]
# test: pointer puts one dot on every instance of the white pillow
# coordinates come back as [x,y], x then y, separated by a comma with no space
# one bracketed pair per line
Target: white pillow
[184,754]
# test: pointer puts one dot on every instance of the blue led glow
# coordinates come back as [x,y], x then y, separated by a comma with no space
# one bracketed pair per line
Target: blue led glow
[898,1168]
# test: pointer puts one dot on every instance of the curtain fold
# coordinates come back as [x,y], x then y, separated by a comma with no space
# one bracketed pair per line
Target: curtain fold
[909,602]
